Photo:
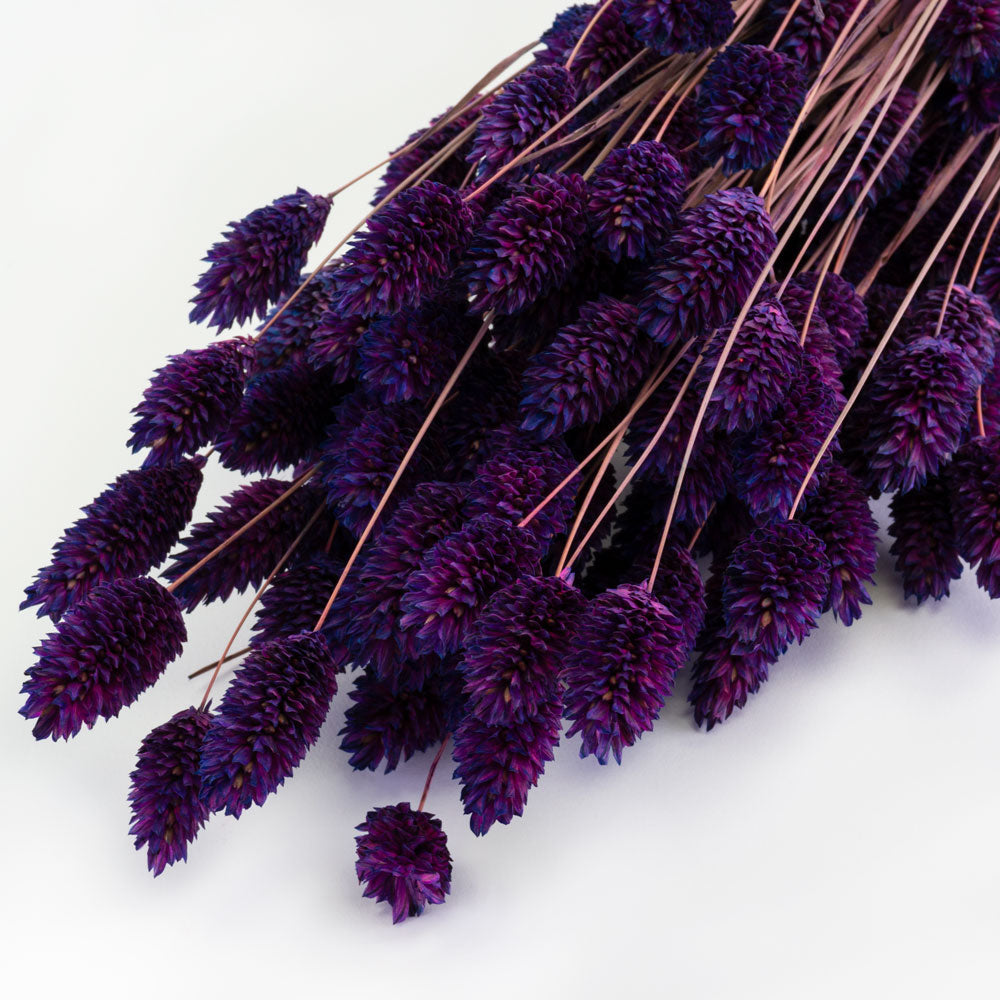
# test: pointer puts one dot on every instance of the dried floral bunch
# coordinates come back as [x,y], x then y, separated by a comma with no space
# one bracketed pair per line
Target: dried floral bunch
[683,278]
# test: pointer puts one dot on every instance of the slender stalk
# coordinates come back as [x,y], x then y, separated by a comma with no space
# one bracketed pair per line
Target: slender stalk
[401,468]
[211,666]
[430,773]
[591,24]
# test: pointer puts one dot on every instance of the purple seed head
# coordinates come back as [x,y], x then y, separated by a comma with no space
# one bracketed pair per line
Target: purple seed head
[672,26]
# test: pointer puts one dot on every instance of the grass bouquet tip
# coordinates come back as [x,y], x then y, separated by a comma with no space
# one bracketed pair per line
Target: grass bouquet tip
[599,391]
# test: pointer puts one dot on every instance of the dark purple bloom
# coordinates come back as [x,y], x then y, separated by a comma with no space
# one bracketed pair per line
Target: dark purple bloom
[281,420]
[255,553]
[917,408]
[410,355]
[967,35]
[974,479]
[812,30]
[708,266]
[513,653]
[498,765]
[725,674]
[975,106]
[124,532]
[925,546]
[671,26]
[747,105]
[269,717]
[620,669]
[105,652]
[295,598]
[633,199]
[528,245]
[511,483]
[334,344]
[259,259]
[361,456]
[839,305]
[527,107]
[167,812]
[892,173]
[991,401]
[840,517]
[679,588]
[607,47]
[771,466]
[458,575]
[408,250]
[776,586]
[587,370]
[451,172]
[189,401]
[968,323]
[764,362]
[387,723]
[403,857]
[289,330]
[366,616]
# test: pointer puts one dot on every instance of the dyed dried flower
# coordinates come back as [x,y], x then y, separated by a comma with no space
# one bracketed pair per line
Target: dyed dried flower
[974,481]
[167,811]
[259,259]
[295,598]
[967,37]
[812,30]
[126,531]
[403,857]
[671,26]
[269,717]
[106,651]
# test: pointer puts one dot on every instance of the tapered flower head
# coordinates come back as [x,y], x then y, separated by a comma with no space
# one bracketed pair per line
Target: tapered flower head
[839,305]
[776,586]
[892,172]
[295,598]
[361,456]
[968,323]
[513,653]
[167,811]
[269,717]
[747,104]
[967,37]
[367,618]
[390,724]
[811,31]
[925,545]
[403,859]
[671,26]
[247,561]
[511,483]
[620,669]
[125,532]
[410,355]
[917,408]
[334,344]
[527,107]
[458,575]
[841,518]
[189,401]
[290,327]
[763,363]
[528,245]
[587,370]
[633,199]
[974,479]
[497,765]
[771,466]
[281,420]
[707,268]
[679,588]
[106,651]
[259,259]
[406,252]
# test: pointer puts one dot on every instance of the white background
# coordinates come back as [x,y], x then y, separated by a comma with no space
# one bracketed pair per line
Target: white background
[837,838]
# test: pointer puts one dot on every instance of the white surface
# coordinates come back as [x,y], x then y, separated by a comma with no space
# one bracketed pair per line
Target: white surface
[837,838]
